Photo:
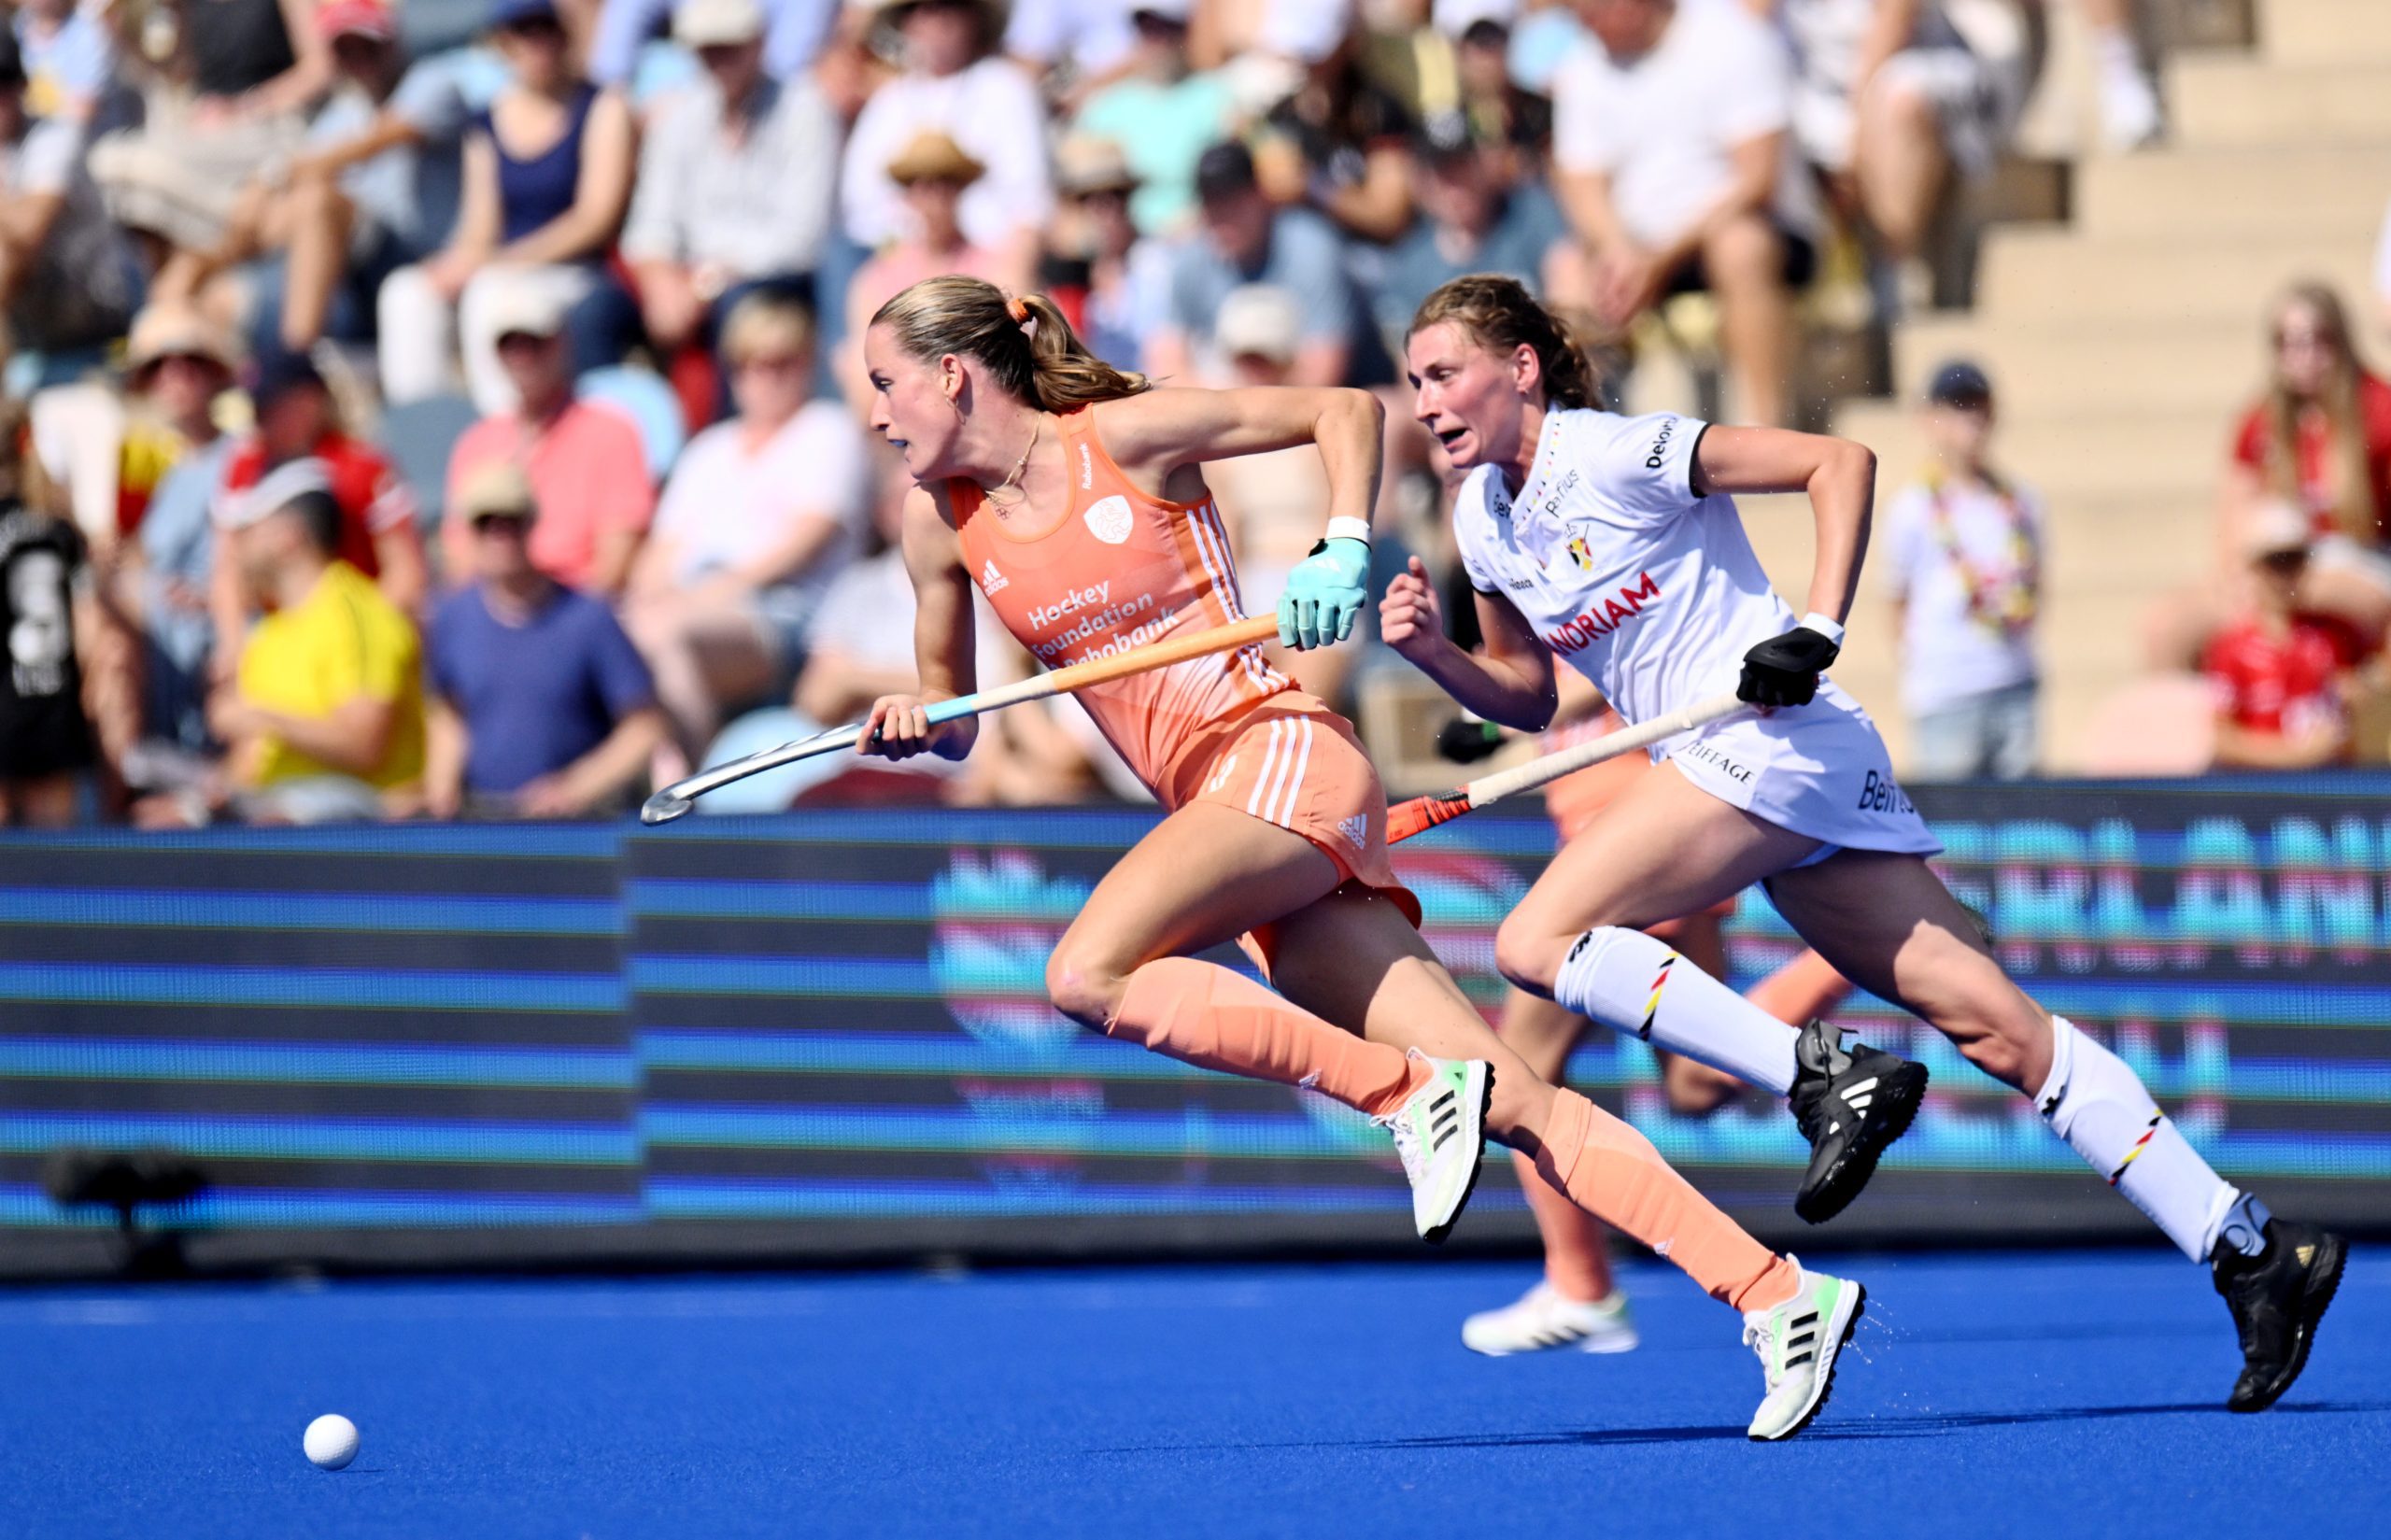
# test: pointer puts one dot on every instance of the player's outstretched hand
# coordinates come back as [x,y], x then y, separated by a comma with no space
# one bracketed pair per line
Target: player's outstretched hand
[1784,669]
[1409,618]
[1325,593]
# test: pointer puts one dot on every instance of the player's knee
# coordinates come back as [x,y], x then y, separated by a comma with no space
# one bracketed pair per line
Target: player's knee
[1083,985]
[1529,955]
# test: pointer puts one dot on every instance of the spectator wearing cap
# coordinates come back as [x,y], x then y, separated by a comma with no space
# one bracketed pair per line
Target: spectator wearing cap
[1127,283]
[297,425]
[547,177]
[235,96]
[584,460]
[937,175]
[795,32]
[1079,47]
[179,363]
[1499,109]
[1244,239]
[1163,114]
[761,515]
[735,181]
[952,83]
[541,707]
[2280,674]
[1963,564]
[1476,216]
[1670,156]
[324,716]
[68,280]
[374,187]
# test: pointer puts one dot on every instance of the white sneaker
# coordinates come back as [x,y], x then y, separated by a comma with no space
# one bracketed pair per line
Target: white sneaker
[1545,1318]
[1440,1134]
[1798,1343]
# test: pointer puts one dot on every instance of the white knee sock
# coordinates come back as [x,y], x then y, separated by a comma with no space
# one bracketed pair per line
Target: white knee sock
[2101,1110]
[1626,979]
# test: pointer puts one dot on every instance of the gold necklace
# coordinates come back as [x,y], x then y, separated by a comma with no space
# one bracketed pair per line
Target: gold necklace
[1003,505]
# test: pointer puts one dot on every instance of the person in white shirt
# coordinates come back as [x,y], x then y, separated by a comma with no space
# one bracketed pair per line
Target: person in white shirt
[1671,159]
[1616,544]
[1964,553]
[762,512]
[987,104]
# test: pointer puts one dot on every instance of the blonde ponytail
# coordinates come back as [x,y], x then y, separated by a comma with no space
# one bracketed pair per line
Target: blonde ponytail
[1025,341]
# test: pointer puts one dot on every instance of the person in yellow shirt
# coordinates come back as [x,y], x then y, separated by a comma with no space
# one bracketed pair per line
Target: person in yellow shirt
[325,719]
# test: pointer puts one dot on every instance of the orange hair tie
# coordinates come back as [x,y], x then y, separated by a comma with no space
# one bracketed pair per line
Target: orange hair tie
[1018,310]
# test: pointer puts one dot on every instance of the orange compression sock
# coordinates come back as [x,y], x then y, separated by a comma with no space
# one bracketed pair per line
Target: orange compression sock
[1576,1262]
[1203,1015]
[1801,991]
[1613,1172]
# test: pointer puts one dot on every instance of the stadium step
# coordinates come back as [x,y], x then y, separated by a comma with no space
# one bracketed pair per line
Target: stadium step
[2077,461]
[2059,275]
[2326,31]
[2054,370]
[2310,191]
[2221,100]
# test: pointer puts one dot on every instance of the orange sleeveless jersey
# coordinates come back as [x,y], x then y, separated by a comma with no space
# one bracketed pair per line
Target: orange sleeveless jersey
[1122,570]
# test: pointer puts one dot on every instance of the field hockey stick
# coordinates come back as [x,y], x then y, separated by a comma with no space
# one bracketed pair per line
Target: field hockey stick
[1422,813]
[678,798]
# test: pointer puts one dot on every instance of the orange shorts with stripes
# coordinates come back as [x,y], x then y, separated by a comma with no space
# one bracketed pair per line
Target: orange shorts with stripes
[1576,800]
[1293,762]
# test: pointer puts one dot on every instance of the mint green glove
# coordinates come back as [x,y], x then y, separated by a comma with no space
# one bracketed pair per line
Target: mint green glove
[1325,594]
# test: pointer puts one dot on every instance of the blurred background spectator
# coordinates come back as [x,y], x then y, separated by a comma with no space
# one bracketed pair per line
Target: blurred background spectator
[935,174]
[48,618]
[547,179]
[584,460]
[2279,673]
[324,718]
[762,513]
[953,80]
[735,183]
[1164,111]
[296,421]
[1244,238]
[1963,563]
[1117,280]
[1671,156]
[540,705]
[68,279]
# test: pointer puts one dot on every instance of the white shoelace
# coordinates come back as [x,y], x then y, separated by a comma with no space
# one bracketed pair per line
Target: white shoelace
[1407,1142]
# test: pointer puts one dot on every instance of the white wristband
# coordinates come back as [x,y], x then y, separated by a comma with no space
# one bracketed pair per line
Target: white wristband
[1831,630]
[1350,529]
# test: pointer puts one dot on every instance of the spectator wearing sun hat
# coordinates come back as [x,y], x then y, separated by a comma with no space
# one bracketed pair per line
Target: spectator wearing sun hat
[2280,674]
[936,175]
[951,81]
[735,188]
[1125,292]
[795,32]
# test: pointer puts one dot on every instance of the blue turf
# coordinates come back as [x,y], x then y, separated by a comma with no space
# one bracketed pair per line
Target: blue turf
[2048,1396]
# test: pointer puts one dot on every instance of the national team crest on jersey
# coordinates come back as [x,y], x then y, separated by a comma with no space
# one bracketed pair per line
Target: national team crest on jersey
[1109,520]
[1579,554]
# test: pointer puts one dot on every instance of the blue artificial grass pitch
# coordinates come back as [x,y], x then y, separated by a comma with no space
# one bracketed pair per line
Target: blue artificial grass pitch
[2047,1394]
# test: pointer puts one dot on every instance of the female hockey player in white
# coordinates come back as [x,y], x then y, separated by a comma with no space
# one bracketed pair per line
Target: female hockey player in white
[1615,543]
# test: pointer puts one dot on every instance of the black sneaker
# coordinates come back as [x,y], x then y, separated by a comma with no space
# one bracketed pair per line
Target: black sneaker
[2277,1297]
[1850,1105]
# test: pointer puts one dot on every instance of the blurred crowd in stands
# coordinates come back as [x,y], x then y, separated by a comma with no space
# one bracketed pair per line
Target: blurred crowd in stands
[455,410]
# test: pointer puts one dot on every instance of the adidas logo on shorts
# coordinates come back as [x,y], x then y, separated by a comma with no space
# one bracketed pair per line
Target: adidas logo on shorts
[1357,830]
[991,579]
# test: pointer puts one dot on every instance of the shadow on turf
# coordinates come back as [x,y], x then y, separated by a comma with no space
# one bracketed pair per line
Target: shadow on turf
[1928,1425]
[1921,1426]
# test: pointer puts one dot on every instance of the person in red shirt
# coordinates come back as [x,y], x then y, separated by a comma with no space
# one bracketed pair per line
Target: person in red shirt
[2278,670]
[585,462]
[2320,437]
[379,535]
